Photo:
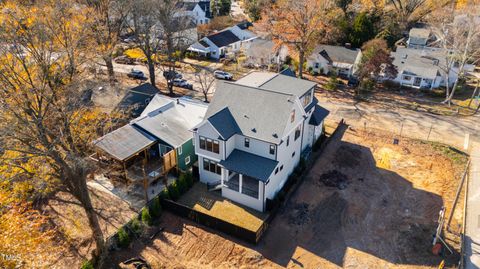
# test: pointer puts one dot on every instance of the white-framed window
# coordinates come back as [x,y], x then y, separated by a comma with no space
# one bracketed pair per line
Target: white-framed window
[187,160]
[179,150]
[247,142]
[406,77]
[317,65]
[298,131]
[211,166]
[272,149]
[288,140]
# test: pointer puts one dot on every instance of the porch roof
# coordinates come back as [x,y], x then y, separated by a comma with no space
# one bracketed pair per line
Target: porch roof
[124,142]
[250,165]
[319,114]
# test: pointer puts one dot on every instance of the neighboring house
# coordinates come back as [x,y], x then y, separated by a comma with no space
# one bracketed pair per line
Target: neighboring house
[425,68]
[419,38]
[265,52]
[162,129]
[136,100]
[198,11]
[254,133]
[342,60]
[223,43]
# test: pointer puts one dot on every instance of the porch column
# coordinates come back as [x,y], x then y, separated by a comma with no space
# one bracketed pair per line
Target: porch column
[224,175]
[240,181]
[261,188]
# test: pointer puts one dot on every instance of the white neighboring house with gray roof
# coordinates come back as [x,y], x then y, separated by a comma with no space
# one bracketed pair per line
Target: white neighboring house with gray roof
[254,133]
[424,68]
[342,60]
[223,43]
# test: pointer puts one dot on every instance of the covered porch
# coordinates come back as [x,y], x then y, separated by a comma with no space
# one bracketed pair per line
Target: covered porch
[244,177]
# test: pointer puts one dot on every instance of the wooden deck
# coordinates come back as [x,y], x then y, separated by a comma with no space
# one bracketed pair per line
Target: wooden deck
[152,170]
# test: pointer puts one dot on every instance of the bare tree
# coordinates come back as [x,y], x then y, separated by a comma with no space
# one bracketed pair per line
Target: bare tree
[206,79]
[459,36]
[109,21]
[175,33]
[40,115]
[144,28]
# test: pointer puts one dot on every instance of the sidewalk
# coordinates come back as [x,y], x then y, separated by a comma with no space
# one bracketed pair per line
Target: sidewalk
[472,220]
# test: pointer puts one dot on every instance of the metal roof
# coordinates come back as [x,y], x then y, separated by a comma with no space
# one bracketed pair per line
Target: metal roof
[250,165]
[124,142]
[172,121]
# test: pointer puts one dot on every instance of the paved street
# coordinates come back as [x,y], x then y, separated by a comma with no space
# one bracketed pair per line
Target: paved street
[472,221]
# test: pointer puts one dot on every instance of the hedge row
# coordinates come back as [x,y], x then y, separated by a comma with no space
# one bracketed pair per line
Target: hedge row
[153,210]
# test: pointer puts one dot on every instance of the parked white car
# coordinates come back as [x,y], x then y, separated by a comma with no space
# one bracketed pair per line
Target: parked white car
[223,75]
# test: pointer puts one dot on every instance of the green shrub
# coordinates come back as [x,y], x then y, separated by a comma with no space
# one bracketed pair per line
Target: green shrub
[189,179]
[164,194]
[182,184]
[146,217]
[332,83]
[136,226]
[156,207]
[123,238]
[87,265]
[173,191]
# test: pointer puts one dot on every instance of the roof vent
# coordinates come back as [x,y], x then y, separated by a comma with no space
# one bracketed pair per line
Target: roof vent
[245,116]
[405,56]
[275,135]
[254,130]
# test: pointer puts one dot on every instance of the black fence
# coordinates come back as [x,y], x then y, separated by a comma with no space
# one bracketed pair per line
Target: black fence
[212,222]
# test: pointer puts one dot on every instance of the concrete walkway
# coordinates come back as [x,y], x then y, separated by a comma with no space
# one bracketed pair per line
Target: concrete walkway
[472,220]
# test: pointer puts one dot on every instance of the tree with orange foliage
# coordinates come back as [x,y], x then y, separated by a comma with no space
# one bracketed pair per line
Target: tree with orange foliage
[46,129]
[300,25]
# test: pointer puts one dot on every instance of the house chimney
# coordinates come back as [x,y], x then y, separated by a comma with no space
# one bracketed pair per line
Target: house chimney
[348,45]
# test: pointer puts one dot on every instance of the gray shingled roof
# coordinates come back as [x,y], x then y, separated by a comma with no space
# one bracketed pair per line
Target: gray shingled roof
[337,53]
[319,114]
[124,142]
[224,123]
[259,114]
[277,83]
[425,63]
[223,38]
[250,164]
[419,33]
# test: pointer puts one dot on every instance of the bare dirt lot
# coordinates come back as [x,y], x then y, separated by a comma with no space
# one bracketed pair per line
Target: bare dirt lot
[365,204]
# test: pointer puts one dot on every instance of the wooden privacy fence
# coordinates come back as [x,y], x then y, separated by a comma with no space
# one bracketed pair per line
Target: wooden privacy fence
[169,160]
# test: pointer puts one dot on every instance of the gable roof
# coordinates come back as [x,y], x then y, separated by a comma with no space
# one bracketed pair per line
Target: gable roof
[319,114]
[205,6]
[171,120]
[419,33]
[224,123]
[258,113]
[336,54]
[223,38]
[288,72]
[277,82]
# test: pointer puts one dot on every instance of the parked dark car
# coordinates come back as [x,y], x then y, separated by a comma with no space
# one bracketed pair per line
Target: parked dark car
[352,82]
[136,74]
[172,74]
[124,60]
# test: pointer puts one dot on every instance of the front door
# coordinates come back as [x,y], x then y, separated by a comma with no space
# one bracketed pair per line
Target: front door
[417,81]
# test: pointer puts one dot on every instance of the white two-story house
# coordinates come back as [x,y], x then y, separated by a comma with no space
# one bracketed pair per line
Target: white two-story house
[198,11]
[254,133]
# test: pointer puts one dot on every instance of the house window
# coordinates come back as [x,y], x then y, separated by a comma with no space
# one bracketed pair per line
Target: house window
[293,154]
[288,140]
[317,65]
[147,101]
[407,78]
[292,116]
[187,160]
[272,149]
[281,167]
[209,144]
[307,99]
[298,130]
[276,170]
[179,150]
[211,166]
[247,143]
